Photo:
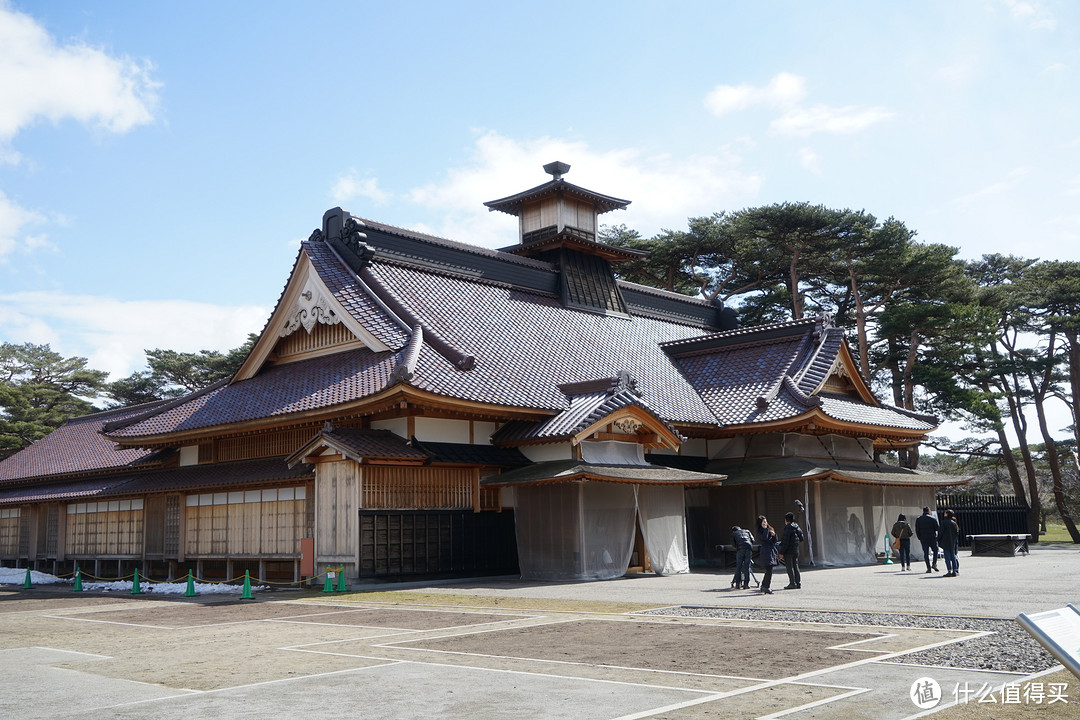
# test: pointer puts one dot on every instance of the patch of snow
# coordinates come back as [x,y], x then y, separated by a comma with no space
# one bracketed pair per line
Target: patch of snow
[17,576]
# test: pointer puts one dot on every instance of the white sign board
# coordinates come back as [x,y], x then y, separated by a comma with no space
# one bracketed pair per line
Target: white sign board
[1059,632]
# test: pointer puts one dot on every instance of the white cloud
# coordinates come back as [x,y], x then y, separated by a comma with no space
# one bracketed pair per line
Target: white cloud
[113,334]
[846,120]
[784,90]
[810,160]
[14,220]
[352,186]
[42,79]
[1035,14]
[674,188]
[994,189]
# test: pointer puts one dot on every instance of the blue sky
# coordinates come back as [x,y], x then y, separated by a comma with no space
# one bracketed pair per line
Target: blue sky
[159,162]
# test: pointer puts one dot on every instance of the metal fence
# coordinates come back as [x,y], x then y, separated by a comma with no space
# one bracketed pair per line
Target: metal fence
[986,515]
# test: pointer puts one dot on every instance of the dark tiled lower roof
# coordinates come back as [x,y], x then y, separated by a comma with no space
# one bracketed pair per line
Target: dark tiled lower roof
[75,446]
[467,454]
[179,479]
[360,445]
[749,472]
[577,471]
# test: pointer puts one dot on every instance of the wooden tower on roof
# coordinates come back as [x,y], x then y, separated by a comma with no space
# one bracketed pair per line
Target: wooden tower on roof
[558,224]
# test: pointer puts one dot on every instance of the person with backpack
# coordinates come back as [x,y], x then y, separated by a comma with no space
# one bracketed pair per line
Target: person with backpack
[901,531]
[744,549]
[789,551]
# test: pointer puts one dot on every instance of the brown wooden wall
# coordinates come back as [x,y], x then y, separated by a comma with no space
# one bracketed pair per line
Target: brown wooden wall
[420,488]
[337,487]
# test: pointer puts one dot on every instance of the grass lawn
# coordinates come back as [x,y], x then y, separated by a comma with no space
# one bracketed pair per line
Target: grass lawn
[1055,534]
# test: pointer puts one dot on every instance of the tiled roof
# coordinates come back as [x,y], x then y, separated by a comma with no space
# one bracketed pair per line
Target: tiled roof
[575,470]
[763,375]
[584,410]
[525,344]
[749,472]
[88,488]
[360,444]
[497,343]
[278,391]
[195,477]
[342,284]
[75,446]
[467,454]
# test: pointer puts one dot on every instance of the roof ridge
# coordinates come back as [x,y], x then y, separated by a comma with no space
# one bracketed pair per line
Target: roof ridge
[446,242]
[458,358]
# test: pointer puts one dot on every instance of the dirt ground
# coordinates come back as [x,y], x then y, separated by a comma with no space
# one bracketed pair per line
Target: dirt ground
[742,668]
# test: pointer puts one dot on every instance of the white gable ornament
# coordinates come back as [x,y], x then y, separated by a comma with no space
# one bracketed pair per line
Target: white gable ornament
[310,308]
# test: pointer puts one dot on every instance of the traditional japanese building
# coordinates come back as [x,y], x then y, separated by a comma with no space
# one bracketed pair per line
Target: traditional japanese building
[419,406]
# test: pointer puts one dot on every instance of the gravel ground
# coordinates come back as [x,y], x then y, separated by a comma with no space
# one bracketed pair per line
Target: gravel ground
[1009,648]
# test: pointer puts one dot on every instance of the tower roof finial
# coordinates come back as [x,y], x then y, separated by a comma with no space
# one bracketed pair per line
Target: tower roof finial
[556,169]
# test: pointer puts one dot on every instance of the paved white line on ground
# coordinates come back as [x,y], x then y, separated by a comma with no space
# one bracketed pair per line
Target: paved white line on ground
[816,703]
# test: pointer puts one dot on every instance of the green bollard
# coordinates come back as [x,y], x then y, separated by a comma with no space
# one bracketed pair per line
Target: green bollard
[341,580]
[135,589]
[27,585]
[328,586]
[246,595]
[78,581]
[888,551]
[190,592]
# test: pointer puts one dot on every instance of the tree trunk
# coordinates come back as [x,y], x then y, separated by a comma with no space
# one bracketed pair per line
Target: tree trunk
[1055,473]
[1035,514]
[1039,388]
[793,286]
[1074,380]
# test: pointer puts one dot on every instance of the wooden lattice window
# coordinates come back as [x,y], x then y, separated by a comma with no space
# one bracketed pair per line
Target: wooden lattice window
[171,544]
[110,527]
[9,531]
[270,521]
[385,487]
[273,444]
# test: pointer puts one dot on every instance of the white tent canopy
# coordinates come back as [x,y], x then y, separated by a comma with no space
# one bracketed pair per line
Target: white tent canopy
[585,530]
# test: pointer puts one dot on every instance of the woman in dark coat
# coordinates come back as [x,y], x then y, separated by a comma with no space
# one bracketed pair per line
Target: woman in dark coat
[769,556]
[949,539]
[902,530]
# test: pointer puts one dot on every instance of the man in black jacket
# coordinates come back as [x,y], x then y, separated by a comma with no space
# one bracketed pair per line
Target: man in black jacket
[789,551]
[926,529]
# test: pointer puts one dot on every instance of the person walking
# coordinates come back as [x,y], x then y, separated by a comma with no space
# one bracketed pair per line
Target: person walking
[902,531]
[789,551]
[949,537]
[767,555]
[926,529]
[743,541]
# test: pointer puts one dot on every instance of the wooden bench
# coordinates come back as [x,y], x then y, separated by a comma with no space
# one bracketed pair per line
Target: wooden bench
[999,545]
